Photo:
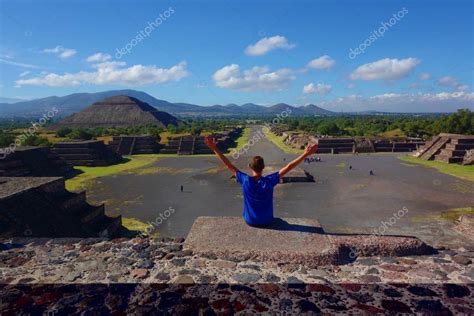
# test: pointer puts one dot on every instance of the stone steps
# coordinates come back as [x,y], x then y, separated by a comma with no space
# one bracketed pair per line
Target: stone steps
[47,209]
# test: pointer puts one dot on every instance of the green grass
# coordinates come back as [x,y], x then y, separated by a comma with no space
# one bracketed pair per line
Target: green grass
[393,133]
[455,170]
[243,139]
[278,141]
[136,226]
[450,215]
[80,181]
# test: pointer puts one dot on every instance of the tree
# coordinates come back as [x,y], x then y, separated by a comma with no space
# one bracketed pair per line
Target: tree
[63,131]
[35,140]
[81,134]
[6,139]
[171,129]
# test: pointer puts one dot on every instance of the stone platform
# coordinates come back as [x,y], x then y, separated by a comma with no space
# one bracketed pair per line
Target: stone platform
[296,175]
[291,241]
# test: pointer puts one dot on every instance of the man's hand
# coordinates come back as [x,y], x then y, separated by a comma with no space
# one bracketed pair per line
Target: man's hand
[210,142]
[310,149]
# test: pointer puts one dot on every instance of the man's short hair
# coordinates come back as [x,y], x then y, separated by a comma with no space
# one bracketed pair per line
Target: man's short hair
[257,164]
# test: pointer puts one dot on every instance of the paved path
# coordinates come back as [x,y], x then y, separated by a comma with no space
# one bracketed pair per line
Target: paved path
[343,200]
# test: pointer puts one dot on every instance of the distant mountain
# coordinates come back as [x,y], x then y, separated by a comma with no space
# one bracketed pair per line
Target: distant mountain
[316,110]
[76,102]
[10,100]
[118,111]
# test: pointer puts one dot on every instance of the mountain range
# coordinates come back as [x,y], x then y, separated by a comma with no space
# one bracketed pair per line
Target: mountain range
[76,102]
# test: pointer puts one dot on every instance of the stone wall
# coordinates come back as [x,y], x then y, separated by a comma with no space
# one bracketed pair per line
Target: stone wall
[134,145]
[42,207]
[34,161]
[86,153]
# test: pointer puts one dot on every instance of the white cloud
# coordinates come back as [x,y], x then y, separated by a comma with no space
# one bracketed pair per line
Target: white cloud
[385,69]
[447,81]
[98,57]
[267,44]
[254,79]
[351,86]
[323,62]
[424,76]
[25,73]
[394,102]
[62,52]
[462,87]
[111,73]
[14,63]
[321,89]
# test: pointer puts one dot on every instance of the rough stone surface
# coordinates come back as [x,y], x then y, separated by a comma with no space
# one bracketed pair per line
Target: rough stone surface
[291,240]
[216,286]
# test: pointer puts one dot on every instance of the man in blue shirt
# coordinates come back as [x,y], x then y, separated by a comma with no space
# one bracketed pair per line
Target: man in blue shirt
[258,189]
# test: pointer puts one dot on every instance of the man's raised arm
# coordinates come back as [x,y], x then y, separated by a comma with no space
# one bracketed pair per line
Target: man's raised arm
[211,143]
[310,149]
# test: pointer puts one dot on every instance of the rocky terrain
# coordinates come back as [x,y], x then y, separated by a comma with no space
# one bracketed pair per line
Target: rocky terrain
[132,275]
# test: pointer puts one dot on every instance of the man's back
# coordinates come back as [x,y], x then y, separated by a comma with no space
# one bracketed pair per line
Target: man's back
[258,197]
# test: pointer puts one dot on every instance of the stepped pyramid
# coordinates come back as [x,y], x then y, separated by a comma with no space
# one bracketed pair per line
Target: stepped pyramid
[118,111]
[450,148]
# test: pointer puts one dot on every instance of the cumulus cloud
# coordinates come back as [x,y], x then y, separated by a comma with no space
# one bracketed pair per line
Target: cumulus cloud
[267,44]
[111,73]
[394,102]
[424,76]
[254,79]
[61,52]
[447,81]
[98,57]
[323,62]
[321,89]
[385,69]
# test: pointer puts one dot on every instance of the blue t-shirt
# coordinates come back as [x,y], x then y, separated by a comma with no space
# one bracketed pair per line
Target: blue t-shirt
[258,197]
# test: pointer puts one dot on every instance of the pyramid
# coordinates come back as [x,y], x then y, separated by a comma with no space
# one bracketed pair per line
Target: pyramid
[118,111]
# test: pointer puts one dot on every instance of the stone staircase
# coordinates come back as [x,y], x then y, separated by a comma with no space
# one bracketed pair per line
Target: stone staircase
[34,161]
[42,207]
[449,148]
[86,153]
[335,145]
[134,145]
[455,150]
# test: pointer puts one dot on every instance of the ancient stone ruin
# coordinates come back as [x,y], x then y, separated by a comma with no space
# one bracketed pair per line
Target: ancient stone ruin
[34,162]
[42,207]
[337,145]
[449,148]
[194,145]
[134,145]
[118,111]
[90,153]
[291,241]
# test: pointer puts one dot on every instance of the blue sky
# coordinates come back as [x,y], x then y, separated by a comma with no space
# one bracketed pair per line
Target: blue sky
[266,52]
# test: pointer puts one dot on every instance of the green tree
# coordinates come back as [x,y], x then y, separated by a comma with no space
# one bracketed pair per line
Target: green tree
[63,131]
